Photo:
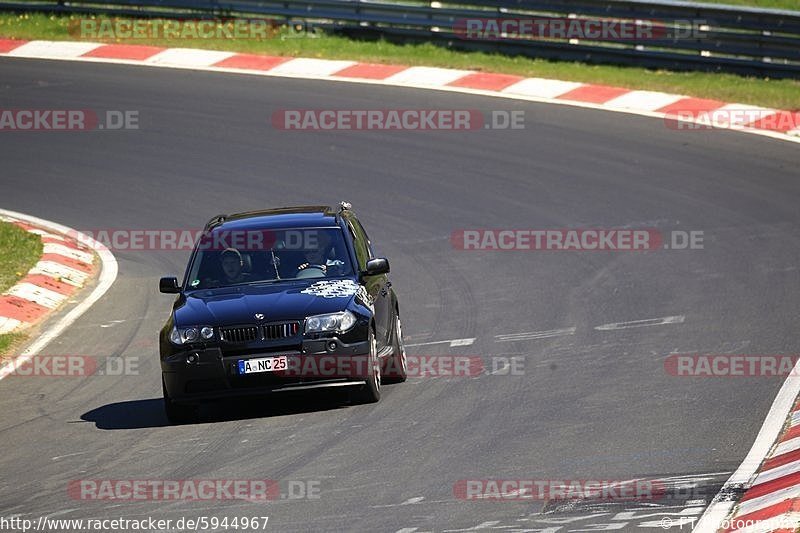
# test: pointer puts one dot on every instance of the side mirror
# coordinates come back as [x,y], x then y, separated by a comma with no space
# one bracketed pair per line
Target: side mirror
[169,285]
[377,266]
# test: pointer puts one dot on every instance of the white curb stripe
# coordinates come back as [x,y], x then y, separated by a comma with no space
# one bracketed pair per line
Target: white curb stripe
[786,447]
[777,472]
[7,325]
[541,87]
[734,115]
[767,500]
[795,419]
[53,49]
[781,521]
[188,57]
[61,272]
[66,251]
[107,276]
[427,76]
[37,295]
[647,100]
[311,67]
[49,235]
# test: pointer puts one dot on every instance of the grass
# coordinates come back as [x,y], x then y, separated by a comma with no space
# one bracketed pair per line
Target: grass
[791,5]
[10,341]
[19,251]
[783,94]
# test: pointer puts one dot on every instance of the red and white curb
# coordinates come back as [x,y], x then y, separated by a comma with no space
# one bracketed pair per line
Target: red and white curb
[772,502]
[63,268]
[776,123]
[54,269]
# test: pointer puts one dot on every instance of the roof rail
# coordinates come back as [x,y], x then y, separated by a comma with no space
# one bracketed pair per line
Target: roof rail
[214,222]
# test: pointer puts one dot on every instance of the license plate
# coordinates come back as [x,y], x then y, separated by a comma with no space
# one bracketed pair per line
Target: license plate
[262,364]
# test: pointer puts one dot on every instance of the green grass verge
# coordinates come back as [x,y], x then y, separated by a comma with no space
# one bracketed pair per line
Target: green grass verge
[791,5]
[783,94]
[19,251]
[10,341]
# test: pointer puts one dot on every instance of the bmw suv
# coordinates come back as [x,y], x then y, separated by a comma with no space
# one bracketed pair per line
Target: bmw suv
[277,300]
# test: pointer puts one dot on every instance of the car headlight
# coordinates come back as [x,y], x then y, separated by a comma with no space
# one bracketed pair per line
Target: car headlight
[340,322]
[190,334]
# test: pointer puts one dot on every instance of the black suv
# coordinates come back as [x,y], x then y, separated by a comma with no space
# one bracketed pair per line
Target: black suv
[276,300]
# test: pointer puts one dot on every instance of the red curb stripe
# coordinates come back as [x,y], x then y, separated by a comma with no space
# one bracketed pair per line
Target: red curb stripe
[793,433]
[782,121]
[6,45]
[486,81]
[594,94]
[46,282]
[371,71]
[124,51]
[780,460]
[772,486]
[251,62]
[786,506]
[23,225]
[21,309]
[67,243]
[693,106]
[67,261]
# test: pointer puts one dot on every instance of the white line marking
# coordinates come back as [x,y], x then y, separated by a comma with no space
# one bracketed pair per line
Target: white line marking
[107,276]
[451,342]
[642,323]
[719,509]
[509,337]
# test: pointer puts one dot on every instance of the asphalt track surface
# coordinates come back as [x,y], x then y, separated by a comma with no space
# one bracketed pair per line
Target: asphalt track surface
[593,405]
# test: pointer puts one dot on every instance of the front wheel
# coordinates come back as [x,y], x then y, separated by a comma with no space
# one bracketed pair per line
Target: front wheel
[397,371]
[177,413]
[371,391]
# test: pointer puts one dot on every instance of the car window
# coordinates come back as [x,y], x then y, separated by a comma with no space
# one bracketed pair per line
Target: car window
[276,255]
[361,244]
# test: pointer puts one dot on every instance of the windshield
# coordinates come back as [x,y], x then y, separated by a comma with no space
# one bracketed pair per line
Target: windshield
[238,257]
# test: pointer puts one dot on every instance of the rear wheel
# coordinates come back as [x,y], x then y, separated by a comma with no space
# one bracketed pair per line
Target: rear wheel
[371,391]
[398,365]
[177,413]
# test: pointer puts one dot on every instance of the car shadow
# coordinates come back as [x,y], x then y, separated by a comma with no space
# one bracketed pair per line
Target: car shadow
[149,413]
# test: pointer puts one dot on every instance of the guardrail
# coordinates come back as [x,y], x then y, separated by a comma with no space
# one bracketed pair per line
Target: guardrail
[682,36]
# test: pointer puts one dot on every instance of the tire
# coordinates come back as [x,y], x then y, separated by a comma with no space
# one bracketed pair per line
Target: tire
[177,413]
[397,371]
[371,391]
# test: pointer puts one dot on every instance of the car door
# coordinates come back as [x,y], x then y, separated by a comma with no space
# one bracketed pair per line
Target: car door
[377,286]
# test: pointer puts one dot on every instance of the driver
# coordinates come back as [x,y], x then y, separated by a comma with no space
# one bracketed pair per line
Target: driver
[319,257]
[232,266]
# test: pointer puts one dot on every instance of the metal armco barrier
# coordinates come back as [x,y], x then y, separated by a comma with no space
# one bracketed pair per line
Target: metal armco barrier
[683,36]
